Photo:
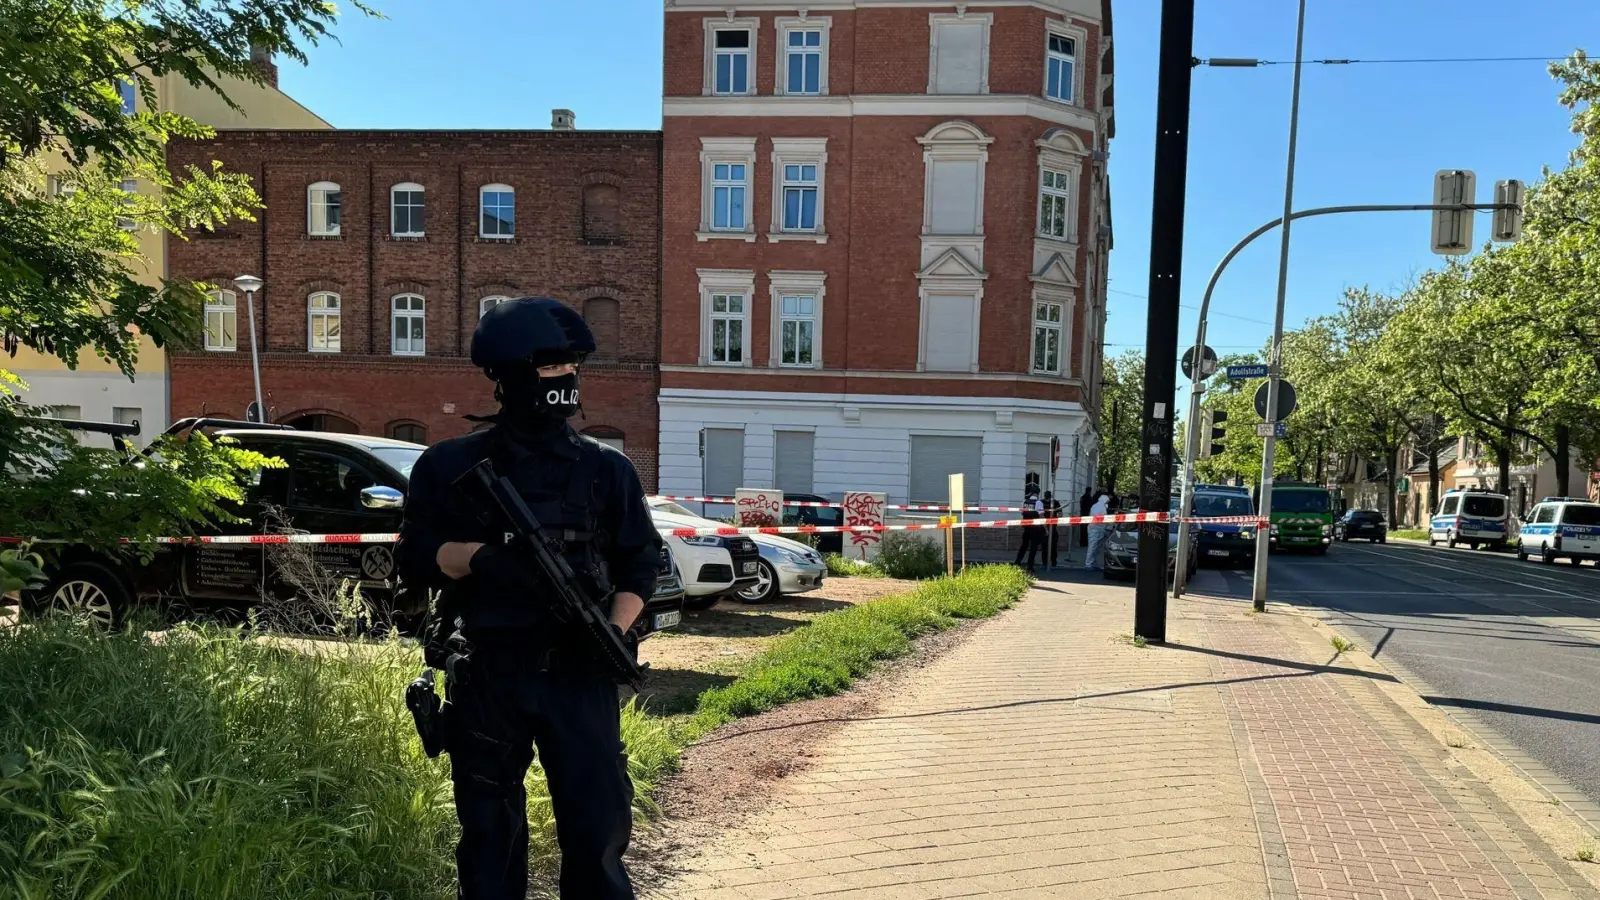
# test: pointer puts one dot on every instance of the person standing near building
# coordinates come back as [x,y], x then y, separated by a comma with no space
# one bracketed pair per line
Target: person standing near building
[1053,510]
[1094,557]
[1032,508]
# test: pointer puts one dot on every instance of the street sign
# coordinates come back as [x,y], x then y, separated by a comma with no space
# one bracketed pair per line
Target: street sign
[1277,429]
[1207,368]
[1452,228]
[1241,372]
[1287,402]
[1507,222]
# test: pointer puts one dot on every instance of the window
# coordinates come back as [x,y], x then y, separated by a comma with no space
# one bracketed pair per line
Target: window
[1055,190]
[602,214]
[733,55]
[1047,337]
[410,432]
[934,458]
[722,458]
[322,209]
[604,317]
[955,156]
[802,61]
[130,188]
[797,326]
[793,457]
[322,311]
[489,303]
[127,415]
[406,210]
[725,168]
[324,481]
[222,321]
[1486,507]
[408,325]
[727,329]
[728,189]
[497,211]
[1061,55]
[1579,514]
[60,187]
[127,92]
[1449,506]
[59,411]
[950,333]
[800,198]
[958,58]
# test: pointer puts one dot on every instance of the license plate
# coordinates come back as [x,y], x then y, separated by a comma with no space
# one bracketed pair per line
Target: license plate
[1216,553]
[666,620]
[749,568]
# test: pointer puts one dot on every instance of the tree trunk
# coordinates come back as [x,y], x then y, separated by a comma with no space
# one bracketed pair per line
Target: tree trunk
[1322,452]
[1393,454]
[1433,484]
[1505,463]
[1563,460]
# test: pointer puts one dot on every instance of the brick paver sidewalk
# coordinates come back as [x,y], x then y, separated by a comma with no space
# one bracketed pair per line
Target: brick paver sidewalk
[1046,758]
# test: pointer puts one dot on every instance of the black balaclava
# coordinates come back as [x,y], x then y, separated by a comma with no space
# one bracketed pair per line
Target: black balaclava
[535,403]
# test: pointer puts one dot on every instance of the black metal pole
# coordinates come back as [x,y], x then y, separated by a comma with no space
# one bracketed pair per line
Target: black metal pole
[1161,335]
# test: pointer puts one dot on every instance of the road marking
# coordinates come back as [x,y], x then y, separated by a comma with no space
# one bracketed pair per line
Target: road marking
[1483,574]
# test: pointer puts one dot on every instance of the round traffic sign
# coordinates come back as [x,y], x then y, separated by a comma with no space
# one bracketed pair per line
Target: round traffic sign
[1287,401]
[1208,366]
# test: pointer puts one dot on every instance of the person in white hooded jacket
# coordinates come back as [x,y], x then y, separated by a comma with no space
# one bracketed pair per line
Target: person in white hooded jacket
[1095,556]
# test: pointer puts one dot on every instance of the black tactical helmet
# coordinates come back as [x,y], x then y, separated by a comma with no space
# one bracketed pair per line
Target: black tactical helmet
[537,330]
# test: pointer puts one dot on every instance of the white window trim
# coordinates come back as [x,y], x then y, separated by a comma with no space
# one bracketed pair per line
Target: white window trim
[497,189]
[483,302]
[1069,209]
[336,313]
[1061,151]
[799,151]
[965,18]
[739,151]
[807,284]
[725,281]
[1080,43]
[786,24]
[218,307]
[325,187]
[407,186]
[1068,303]
[947,288]
[967,143]
[394,320]
[130,187]
[729,23]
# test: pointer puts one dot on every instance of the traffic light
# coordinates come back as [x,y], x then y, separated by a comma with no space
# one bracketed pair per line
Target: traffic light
[1507,222]
[1452,229]
[1214,437]
[1203,435]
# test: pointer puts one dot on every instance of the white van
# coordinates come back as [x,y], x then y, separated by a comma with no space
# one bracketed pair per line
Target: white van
[1473,517]
[1561,527]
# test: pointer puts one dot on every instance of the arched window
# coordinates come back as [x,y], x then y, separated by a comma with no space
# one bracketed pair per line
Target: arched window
[222,321]
[411,432]
[406,209]
[322,209]
[602,214]
[604,317]
[408,325]
[322,322]
[489,303]
[497,211]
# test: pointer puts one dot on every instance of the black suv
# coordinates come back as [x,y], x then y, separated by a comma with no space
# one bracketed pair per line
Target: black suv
[1362,523]
[345,484]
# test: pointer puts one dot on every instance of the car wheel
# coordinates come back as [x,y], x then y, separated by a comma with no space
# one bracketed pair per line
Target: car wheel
[1431,541]
[701,604]
[1575,561]
[88,590]
[765,590]
[1547,556]
[1522,553]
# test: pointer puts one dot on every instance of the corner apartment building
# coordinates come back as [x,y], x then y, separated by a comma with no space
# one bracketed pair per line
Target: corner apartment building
[97,390]
[885,229]
[379,250]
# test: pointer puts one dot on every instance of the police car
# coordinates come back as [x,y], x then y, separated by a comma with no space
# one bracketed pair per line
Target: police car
[1561,527]
[1473,516]
[347,484]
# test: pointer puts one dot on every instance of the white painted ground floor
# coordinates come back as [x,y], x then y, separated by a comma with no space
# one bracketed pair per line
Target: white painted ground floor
[101,397]
[714,442]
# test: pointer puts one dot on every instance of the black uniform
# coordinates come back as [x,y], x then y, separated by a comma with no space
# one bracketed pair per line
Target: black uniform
[527,684]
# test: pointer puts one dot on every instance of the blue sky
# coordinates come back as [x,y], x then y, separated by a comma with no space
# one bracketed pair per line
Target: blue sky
[1369,133]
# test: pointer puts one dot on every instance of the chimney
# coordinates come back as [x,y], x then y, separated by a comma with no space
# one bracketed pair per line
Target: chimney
[261,57]
[563,119]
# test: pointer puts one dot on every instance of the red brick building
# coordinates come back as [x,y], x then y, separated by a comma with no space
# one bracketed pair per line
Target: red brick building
[884,240]
[380,249]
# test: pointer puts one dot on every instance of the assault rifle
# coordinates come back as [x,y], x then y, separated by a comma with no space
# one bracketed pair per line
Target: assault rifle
[569,603]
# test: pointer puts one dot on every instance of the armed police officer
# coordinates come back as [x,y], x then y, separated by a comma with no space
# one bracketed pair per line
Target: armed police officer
[519,678]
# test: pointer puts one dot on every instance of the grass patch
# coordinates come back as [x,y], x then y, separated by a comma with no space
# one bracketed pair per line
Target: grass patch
[845,567]
[1409,534]
[1135,640]
[1340,645]
[1584,854]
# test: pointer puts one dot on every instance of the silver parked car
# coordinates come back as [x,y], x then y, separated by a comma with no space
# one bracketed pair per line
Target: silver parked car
[787,567]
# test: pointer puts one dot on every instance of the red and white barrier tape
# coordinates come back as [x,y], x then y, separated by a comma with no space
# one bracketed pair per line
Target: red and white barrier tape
[815,504]
[389,538]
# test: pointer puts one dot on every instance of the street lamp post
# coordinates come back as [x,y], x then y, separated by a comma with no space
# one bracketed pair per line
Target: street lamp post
[250,284]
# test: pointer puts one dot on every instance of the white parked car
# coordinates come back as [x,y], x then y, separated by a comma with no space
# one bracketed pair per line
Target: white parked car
[786,567]
[712,566]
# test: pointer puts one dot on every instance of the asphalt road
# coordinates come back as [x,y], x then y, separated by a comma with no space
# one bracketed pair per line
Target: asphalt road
[1518,644]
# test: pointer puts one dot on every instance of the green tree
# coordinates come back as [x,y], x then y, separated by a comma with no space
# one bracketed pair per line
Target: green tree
[1372,417]
[1120,405]
[68,262]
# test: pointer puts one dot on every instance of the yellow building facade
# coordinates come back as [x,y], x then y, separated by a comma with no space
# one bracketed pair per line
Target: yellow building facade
[97,390]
